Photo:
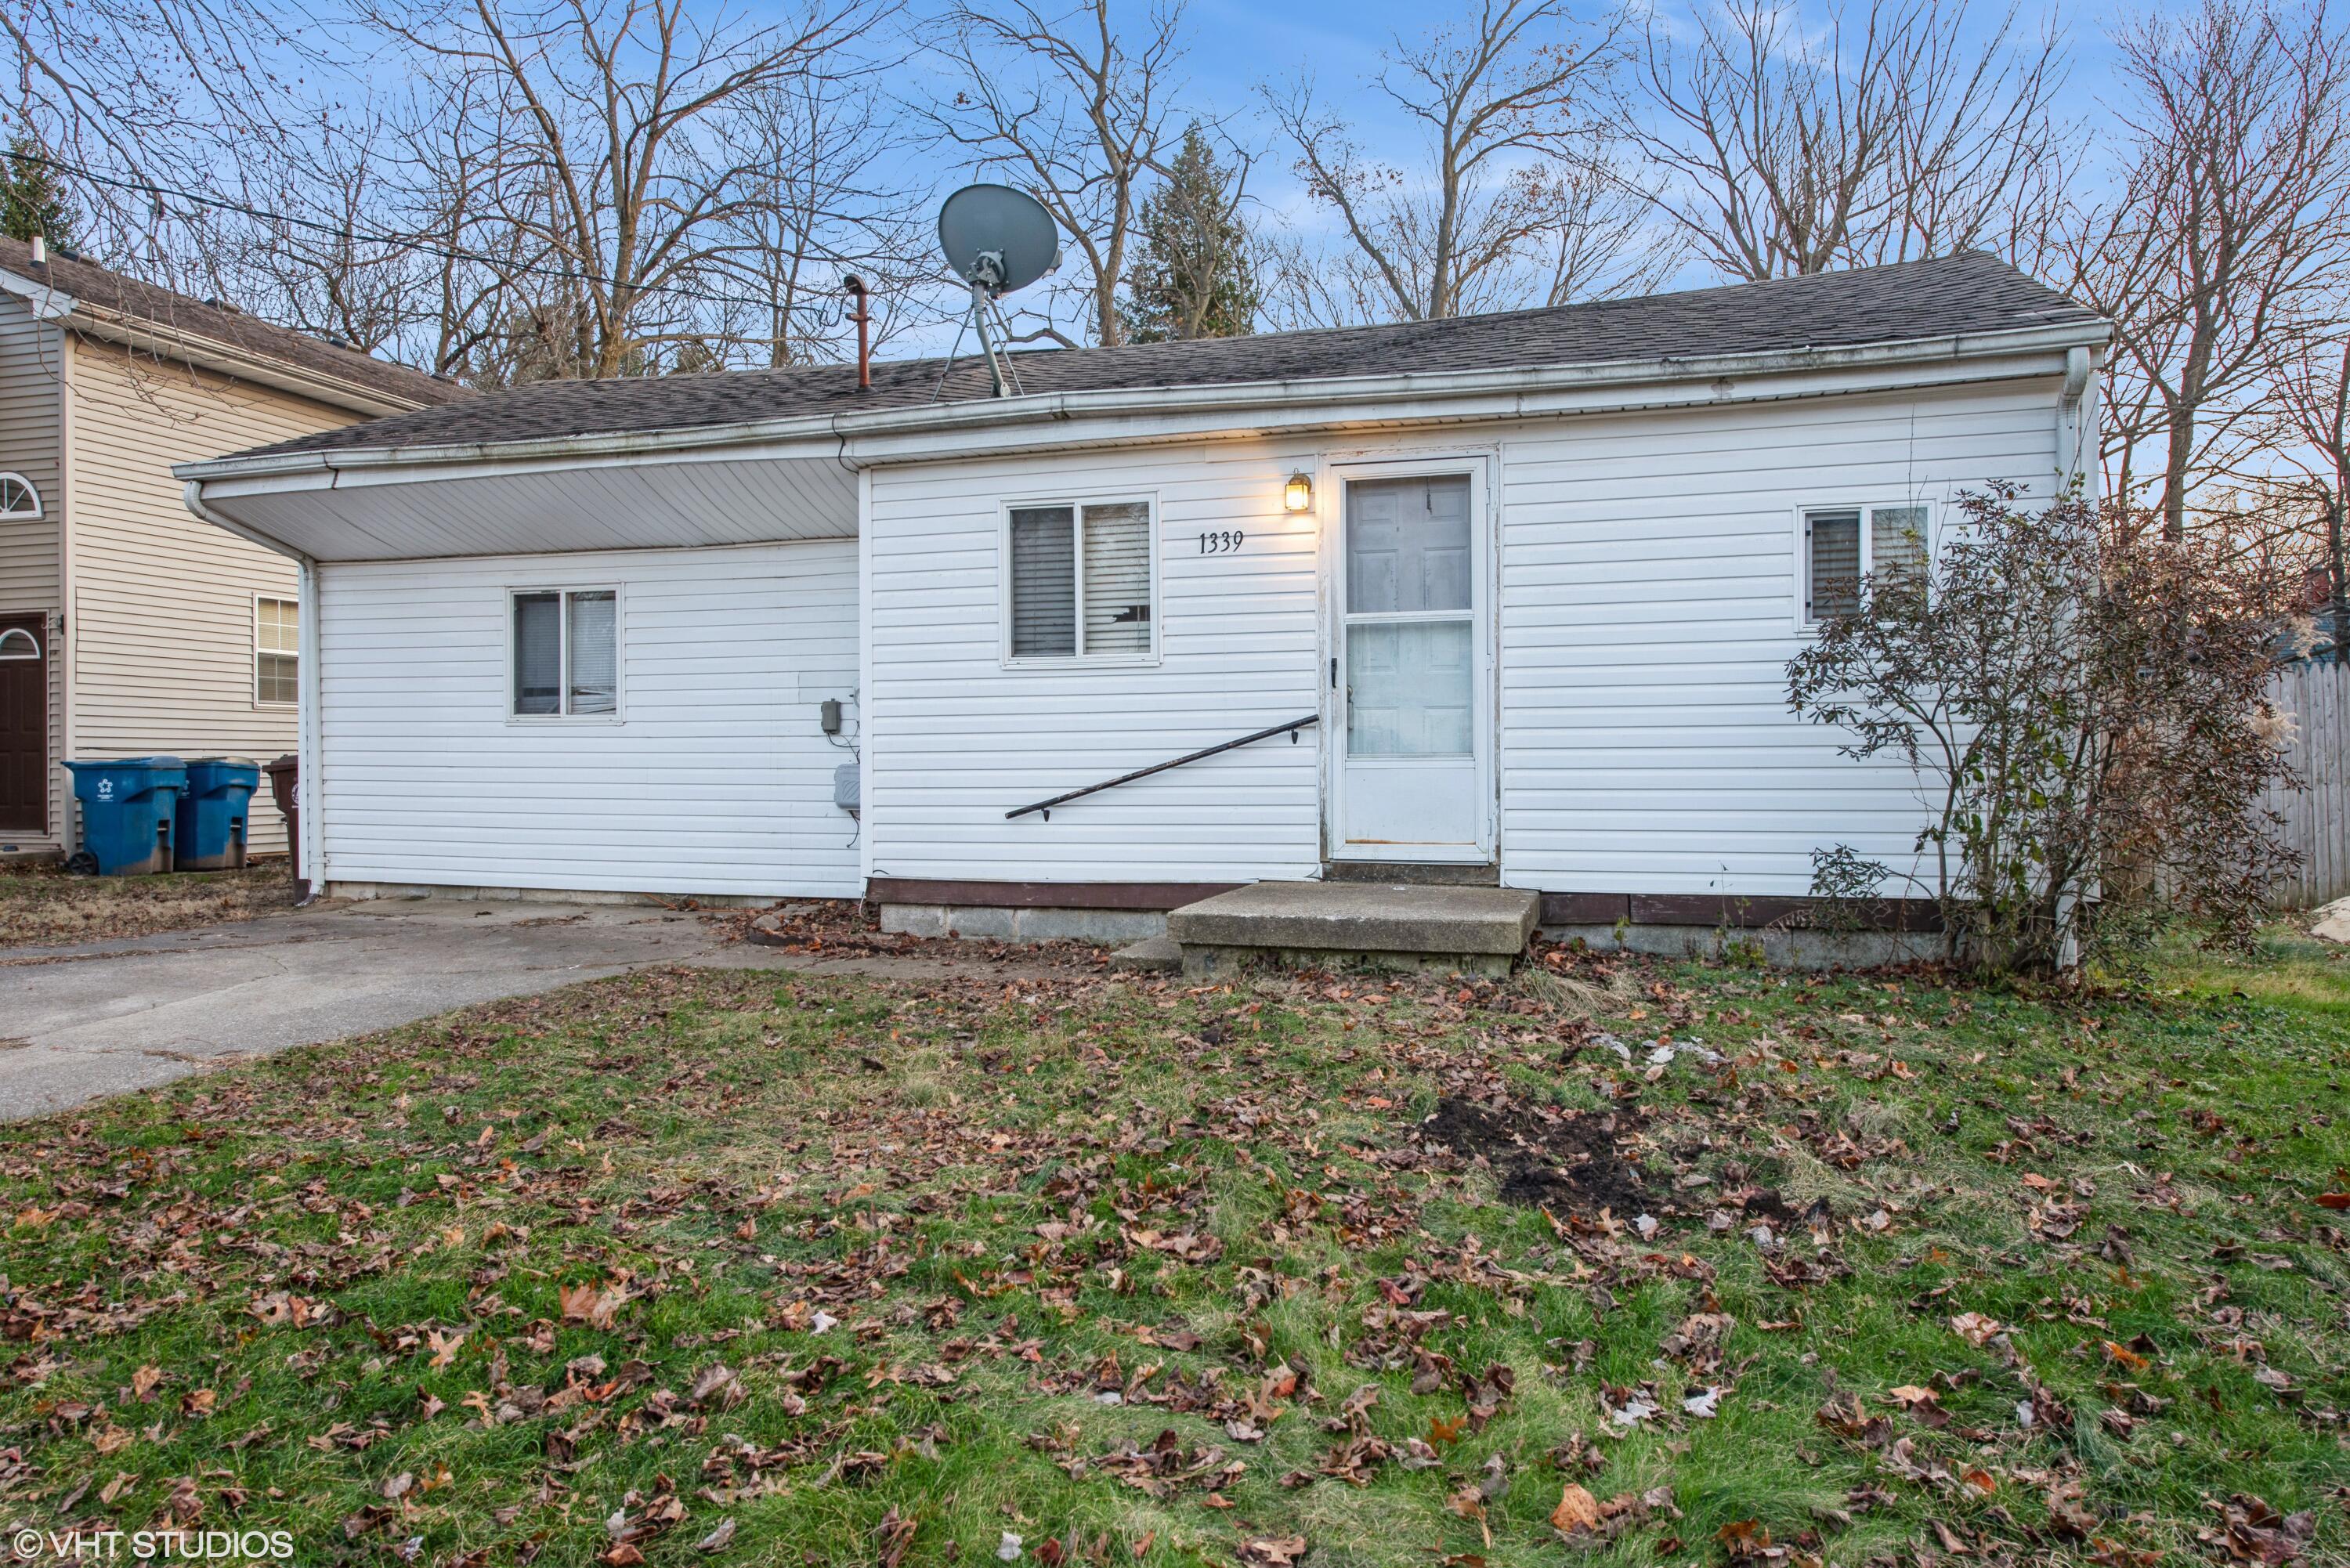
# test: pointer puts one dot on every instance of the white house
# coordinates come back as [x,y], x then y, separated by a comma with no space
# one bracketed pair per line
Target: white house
[1507,598]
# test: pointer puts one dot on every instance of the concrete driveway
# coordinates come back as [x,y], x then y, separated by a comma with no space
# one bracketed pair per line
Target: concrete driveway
[78,1022]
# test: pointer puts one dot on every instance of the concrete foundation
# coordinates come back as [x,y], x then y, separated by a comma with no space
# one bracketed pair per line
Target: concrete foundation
[414,890]
[1023,925]
[1780,947]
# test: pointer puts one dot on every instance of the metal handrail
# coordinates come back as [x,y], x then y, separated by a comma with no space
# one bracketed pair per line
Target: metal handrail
[1293,726]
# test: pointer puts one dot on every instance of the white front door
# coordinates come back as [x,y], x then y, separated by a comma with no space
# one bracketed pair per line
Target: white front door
[1414,722]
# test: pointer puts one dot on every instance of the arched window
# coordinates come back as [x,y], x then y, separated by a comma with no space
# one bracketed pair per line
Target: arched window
[17,643]
[17,497]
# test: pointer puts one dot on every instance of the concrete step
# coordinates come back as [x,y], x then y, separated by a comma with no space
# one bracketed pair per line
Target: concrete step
[1391,872]
[1153,955]
[1387,925]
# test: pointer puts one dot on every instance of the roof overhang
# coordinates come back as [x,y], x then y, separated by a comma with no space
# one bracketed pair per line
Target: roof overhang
[171,342]
[793,478]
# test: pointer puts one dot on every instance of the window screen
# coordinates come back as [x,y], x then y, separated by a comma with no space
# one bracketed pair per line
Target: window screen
[277,650]
[538,653]
[1896,546]
[1081,580]
[1118,578]
[1831,586]
[595,682]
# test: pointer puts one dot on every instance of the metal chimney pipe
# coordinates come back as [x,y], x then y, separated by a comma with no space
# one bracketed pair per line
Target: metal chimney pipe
[856,286]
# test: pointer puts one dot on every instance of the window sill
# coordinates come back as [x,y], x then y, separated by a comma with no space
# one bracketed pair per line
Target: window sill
[561,721]
[1083,661]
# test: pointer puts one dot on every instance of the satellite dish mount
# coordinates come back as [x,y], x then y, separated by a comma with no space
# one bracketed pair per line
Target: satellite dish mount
[997,239]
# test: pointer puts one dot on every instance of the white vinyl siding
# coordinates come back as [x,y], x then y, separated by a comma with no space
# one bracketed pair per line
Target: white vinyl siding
[1649,596]
[1652,592]
[720,781]
[960,737]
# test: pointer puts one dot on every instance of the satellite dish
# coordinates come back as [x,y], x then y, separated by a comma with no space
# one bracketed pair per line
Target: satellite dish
[998,239]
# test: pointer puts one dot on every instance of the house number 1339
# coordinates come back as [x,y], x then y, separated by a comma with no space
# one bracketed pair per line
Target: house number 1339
[1222,543]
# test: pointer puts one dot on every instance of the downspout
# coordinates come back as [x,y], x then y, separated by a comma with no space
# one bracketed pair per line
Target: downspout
[69,607]
[2071,425]
[308,782]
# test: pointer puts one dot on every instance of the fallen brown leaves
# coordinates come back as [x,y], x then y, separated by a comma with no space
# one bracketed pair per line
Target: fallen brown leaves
[2250,1530]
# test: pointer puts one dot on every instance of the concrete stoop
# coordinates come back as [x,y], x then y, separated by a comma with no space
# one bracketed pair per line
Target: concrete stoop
[1343,925]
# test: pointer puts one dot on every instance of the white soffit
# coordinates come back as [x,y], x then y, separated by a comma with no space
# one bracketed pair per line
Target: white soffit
[549,510]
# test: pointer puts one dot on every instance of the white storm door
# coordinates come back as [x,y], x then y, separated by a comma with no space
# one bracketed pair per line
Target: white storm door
[1414,726]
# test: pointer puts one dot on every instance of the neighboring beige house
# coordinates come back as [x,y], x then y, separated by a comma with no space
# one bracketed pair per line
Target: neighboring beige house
[127,627]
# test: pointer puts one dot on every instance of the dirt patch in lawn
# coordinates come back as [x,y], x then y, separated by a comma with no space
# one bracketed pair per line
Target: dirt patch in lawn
[1564,1161]
[49,906]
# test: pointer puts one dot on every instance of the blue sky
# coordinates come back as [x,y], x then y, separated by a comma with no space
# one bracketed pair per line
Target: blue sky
[1236,44]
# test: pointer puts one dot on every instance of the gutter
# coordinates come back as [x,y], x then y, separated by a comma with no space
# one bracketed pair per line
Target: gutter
[993,414]
[309,788]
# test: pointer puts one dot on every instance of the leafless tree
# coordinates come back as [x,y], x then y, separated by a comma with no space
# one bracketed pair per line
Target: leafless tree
[2310,402]
[154,93]
[334,259]
[825,204]
[2231,226]
[2307,441]
[1074,112]
[1904,130]
[1518,202]
[595,170]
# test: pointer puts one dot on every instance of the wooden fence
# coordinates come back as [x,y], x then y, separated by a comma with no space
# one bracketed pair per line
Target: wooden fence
[2316,691]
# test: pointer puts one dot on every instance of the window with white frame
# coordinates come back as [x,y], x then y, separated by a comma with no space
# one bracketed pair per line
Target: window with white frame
[1080,580]
[567,653]
[1842,544]
[18,498]
[277,652]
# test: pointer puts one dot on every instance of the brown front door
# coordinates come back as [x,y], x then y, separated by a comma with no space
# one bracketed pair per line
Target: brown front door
[24,723]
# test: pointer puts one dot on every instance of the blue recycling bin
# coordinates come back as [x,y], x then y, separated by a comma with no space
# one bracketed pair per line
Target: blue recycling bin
[209,826]
[126,809]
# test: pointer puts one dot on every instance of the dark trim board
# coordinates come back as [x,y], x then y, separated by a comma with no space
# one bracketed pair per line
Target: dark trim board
[1706,909]
[1042,895]
[1713,910]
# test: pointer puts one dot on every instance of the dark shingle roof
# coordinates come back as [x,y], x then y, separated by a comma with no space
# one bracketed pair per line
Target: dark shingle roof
[1909,301]
[138,304]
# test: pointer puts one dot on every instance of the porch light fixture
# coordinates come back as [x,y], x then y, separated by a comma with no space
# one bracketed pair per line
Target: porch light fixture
[1297,495]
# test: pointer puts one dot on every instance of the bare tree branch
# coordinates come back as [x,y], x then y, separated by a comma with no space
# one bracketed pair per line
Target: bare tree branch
[1901,131]
[596,184]
[2230,234]
[1072,112]
[1518,201]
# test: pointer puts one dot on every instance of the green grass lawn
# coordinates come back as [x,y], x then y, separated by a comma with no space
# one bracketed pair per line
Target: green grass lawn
[762,1268]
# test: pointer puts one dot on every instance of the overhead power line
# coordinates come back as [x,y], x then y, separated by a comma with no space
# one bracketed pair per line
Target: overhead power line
[156,193]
